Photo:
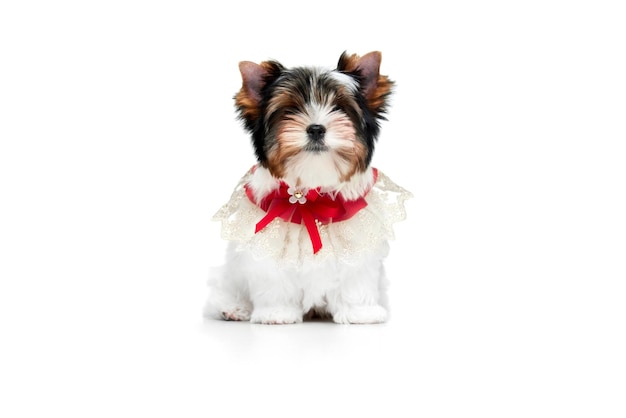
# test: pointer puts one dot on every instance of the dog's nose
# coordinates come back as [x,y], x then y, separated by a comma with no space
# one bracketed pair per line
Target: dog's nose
[316,132]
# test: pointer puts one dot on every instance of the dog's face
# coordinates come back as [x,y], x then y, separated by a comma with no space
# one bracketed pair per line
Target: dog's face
[315,127]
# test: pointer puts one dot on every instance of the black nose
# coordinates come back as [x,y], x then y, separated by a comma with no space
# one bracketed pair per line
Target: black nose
[316,132]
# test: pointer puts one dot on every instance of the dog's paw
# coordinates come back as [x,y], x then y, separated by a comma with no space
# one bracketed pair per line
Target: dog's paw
[367,314]
[276,315]
[227,311]
[235,314]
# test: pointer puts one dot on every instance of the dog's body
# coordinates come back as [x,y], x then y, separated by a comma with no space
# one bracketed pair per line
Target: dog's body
[309,224]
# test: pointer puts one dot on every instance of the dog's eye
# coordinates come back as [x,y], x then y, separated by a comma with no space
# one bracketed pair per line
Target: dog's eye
[337,108]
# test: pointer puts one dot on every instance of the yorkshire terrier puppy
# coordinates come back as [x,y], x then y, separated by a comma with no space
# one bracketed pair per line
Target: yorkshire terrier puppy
[309,224]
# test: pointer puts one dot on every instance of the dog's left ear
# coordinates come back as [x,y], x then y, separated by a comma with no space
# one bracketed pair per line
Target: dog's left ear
[375,87]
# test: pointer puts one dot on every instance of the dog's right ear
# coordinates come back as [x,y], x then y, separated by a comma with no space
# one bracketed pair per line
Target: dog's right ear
[252,75]
[254,79]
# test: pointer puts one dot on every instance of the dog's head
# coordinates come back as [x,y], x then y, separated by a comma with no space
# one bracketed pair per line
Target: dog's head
[312,126]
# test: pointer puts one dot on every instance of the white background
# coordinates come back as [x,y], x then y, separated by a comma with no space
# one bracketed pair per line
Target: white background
[118,141]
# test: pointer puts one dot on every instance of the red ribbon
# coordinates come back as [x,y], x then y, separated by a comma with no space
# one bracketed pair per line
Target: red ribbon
[317,209]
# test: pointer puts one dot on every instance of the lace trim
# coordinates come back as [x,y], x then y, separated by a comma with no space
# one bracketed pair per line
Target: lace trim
[366,232]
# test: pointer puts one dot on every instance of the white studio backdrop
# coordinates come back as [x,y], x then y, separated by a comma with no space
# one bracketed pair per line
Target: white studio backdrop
[118,141]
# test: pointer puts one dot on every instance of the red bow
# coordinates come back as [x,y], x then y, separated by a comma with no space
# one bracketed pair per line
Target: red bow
[310,208]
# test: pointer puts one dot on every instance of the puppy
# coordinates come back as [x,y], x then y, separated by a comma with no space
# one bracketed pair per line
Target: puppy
[309,224]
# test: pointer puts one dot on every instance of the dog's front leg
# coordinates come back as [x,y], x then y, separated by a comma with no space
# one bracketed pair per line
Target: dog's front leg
[275,297]
[361,296]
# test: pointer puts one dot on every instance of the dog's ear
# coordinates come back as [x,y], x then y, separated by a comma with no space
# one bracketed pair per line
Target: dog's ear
[375,87]
[254,78]
[252,75]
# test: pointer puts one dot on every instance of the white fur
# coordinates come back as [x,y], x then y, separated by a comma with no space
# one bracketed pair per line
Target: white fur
[264,291]
[312,171]
[262,183]
[346,80]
